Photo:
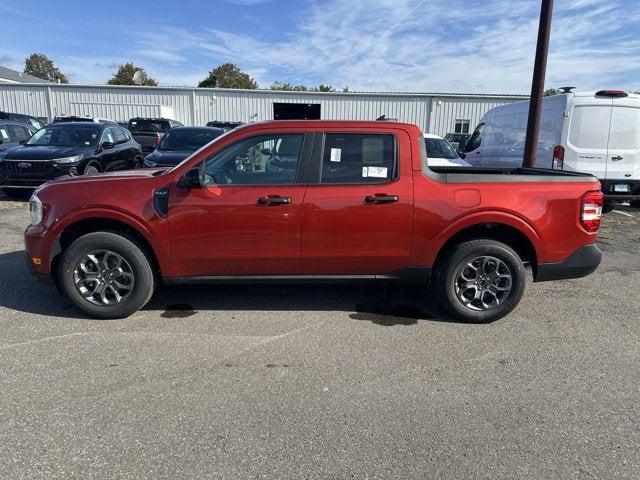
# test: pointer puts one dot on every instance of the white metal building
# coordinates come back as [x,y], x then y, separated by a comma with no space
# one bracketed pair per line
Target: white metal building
[437,113]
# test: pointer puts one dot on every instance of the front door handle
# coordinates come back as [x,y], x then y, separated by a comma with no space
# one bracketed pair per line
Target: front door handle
[381,198]
[274,200]
[617,158]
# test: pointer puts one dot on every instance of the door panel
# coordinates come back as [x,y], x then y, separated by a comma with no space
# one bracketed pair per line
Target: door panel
[358,229]
[225,231]
[623,158]
[246,219]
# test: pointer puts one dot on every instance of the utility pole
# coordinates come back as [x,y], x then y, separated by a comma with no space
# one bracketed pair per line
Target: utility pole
[537,85]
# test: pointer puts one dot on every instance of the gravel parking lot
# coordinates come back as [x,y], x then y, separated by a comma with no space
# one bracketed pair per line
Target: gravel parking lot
[322,381]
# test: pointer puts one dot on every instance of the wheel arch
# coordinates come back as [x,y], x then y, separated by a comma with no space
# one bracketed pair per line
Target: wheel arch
[518,238]
[75,229]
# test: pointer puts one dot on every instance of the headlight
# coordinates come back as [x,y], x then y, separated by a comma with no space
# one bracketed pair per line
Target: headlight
[35,208]
[65,160]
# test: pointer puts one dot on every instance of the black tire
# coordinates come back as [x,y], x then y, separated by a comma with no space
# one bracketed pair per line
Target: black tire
[18,193]
[608,206]
[91,170]
[130,251]
[635,203]
[450,271]
[138,162]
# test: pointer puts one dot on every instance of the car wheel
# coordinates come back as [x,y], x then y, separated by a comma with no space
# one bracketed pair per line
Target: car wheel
[480,280]
[608,207]
[138,162]
[91,170]
[18,193]
[635,203]
[106,275]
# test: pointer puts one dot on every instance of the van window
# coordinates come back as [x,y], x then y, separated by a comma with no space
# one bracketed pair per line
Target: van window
[625,128]
[475,140]
[589,126]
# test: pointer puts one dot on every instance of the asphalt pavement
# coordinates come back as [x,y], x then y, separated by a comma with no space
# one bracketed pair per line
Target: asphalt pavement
[322,381]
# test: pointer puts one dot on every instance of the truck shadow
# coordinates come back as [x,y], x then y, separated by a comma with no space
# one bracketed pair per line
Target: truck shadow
[384,305]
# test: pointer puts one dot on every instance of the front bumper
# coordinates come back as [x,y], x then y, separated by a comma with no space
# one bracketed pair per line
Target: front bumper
[580,263]
[41,277]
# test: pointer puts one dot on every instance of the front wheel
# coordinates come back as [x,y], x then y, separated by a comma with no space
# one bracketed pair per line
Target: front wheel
[106,275]
[480,280]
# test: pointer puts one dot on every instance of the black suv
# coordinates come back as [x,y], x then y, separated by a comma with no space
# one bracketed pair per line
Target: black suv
[20,118]
[149,131]
[58,149]
[13,134]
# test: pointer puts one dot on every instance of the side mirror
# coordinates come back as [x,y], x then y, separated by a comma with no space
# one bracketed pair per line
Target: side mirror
[107,145]
[190,180]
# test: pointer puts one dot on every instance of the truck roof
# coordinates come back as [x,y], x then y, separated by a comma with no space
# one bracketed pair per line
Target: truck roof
[333,124]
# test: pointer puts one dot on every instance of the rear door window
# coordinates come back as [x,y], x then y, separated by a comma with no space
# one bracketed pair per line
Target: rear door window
[589,127]
[351,158]
[625,128]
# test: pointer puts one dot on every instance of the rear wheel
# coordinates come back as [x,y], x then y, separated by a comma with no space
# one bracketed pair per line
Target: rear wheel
[480,280]
[138,162]
[635,203]
[106,275]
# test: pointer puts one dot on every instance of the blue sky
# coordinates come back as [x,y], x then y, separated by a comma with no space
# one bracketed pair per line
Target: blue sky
[479,46]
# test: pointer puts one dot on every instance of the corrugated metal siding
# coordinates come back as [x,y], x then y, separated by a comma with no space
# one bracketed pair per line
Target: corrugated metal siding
[446,110]
[433,113]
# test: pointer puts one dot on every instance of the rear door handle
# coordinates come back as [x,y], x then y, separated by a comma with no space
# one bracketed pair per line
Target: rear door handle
[274,200]
[617,158]
[381,198]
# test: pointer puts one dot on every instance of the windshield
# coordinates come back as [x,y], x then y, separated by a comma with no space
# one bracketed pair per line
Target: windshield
[159,126]
[440,148]
[66,135]
[188,139]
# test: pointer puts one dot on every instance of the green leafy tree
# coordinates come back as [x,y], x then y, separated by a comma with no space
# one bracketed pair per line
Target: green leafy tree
[41,66]
[124,76]
[324,88]
[550,92]
[288,87]
[228,75]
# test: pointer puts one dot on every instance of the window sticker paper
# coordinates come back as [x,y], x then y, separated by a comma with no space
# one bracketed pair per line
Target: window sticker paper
[336,154]
[377,172]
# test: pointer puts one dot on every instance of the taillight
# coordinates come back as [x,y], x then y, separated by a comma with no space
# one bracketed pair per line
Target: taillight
[591,212]
[558,157]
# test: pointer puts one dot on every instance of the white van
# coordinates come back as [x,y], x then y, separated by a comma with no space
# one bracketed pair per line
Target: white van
[597,133]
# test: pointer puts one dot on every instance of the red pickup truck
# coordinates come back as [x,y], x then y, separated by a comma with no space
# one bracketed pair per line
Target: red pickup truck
[314,201]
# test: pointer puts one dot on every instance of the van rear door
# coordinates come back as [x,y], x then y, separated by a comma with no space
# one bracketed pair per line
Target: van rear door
[588,134]
[623,159]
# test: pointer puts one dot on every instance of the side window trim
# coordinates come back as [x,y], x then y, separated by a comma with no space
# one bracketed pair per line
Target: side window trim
[315,177]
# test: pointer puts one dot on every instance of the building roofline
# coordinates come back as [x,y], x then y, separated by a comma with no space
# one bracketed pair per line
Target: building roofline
[267,91]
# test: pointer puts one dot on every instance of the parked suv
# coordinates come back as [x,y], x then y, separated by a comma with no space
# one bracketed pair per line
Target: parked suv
[13,133]
[148,132]
[20,118]
[357,202]
[75,118]
[67,149]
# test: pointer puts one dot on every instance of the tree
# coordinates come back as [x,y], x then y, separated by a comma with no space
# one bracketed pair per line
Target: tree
[228,75]
[39,65]
[124,76]
[286,86]
[324,88]
[550,92]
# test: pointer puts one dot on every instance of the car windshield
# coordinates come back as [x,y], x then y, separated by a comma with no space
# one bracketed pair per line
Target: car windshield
[158,126]
[440,148]
[188,139]
[66,135]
